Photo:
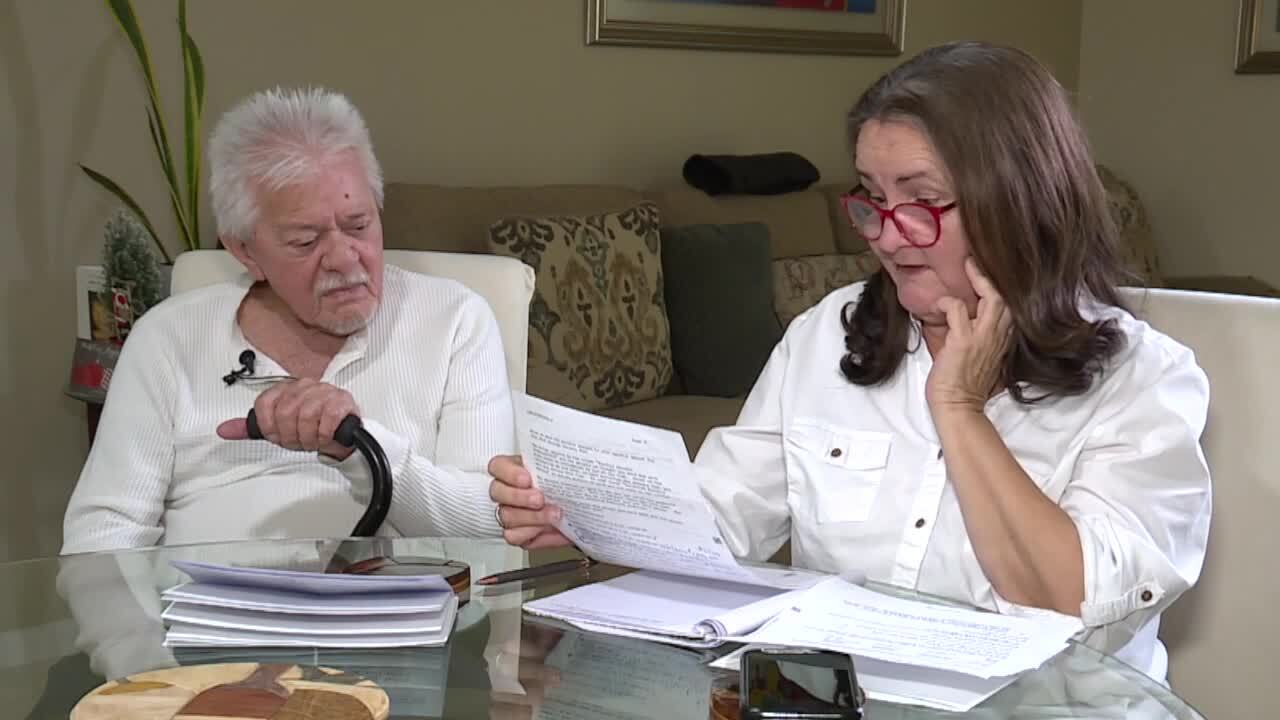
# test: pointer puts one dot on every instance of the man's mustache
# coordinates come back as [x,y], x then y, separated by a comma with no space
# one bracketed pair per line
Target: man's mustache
[338,281]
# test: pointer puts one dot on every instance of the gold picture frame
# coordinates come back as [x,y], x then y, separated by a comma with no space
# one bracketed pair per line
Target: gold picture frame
[711,25]
[1258,43]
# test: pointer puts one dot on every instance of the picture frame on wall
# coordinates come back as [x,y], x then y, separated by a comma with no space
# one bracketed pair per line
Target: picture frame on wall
[1258,43]
[814,27]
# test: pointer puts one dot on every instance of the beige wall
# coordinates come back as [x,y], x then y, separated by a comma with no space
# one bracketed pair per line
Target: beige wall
[455,92]
[1164,108]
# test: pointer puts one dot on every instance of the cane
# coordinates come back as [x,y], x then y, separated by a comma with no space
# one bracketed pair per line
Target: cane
[351,433]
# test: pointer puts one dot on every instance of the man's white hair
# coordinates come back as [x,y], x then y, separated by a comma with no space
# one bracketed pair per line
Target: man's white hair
[275,138]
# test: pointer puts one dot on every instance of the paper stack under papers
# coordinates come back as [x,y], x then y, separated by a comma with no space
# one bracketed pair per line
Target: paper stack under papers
[256,607]
[912,652]
[673,609]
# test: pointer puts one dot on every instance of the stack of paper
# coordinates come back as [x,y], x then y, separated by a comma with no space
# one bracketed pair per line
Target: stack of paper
[679,610]
[256,607]
[913,652]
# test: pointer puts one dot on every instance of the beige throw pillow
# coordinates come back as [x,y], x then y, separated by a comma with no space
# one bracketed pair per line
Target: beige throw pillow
[598,331]
[800,282]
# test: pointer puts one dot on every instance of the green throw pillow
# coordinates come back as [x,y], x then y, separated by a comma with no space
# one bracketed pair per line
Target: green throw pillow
[719,296]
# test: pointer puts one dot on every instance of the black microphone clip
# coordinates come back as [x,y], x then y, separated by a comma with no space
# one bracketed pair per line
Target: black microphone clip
[246,368]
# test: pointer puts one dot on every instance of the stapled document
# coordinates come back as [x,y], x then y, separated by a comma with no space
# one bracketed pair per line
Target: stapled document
[629,495]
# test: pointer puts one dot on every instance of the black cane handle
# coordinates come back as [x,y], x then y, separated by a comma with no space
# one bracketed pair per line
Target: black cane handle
[345,435]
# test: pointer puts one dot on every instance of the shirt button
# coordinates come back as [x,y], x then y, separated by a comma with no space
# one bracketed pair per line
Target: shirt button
[1146,596]
[920,523]
[836,452]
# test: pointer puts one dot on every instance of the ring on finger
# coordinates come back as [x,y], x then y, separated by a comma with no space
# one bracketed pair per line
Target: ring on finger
[497,515]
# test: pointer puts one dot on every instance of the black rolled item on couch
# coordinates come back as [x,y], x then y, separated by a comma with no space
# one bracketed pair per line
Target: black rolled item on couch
[764,174]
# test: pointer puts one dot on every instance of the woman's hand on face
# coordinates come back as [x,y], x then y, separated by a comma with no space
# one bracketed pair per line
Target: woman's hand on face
[527,520]
[967,371]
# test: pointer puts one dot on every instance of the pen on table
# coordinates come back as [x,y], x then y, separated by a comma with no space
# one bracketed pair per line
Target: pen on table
[537,571]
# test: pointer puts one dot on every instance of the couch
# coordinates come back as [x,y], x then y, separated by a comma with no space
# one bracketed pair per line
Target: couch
[811,250]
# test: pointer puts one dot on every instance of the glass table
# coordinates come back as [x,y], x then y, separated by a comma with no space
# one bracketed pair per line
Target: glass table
[69,624]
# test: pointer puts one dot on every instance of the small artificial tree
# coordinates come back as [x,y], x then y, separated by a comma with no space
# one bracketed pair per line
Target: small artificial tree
[129,262]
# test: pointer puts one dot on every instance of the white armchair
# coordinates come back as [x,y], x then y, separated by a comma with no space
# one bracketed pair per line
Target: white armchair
[1223,635]
[506,283]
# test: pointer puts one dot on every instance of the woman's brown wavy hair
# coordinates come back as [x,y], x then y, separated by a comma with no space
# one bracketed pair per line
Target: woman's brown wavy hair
[1032,205]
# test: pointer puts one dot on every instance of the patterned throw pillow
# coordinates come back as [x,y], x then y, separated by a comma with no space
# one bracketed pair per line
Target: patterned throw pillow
[1137,243]
[598,330]
[800,282]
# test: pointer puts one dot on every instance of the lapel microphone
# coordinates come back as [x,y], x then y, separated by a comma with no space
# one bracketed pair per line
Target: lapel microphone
[246,368]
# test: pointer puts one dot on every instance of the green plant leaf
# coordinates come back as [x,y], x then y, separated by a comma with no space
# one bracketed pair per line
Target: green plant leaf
[193,107]
[128,20]
[184,200]
[119,192]
[175,196]
[166,162]
[123,12]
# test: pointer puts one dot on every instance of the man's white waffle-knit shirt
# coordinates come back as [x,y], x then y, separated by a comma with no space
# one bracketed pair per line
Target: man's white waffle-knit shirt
[428,375]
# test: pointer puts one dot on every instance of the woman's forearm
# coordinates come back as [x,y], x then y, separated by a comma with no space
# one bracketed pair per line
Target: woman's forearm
[1027,546]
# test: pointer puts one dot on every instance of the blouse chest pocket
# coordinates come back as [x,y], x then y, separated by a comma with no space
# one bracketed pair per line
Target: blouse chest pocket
[837,471]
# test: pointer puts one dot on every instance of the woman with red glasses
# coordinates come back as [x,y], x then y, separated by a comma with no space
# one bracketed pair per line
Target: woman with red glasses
[982,419]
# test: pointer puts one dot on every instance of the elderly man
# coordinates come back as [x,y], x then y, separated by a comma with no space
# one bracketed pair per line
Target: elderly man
[296,193]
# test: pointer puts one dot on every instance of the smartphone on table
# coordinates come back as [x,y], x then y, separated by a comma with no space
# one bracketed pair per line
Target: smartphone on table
[798,686]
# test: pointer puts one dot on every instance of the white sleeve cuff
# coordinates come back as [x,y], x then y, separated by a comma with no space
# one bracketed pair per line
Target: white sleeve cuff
[1145,595]
[1122,574]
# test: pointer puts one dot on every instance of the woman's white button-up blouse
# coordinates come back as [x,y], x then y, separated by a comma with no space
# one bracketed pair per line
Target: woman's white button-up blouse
[855,478]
